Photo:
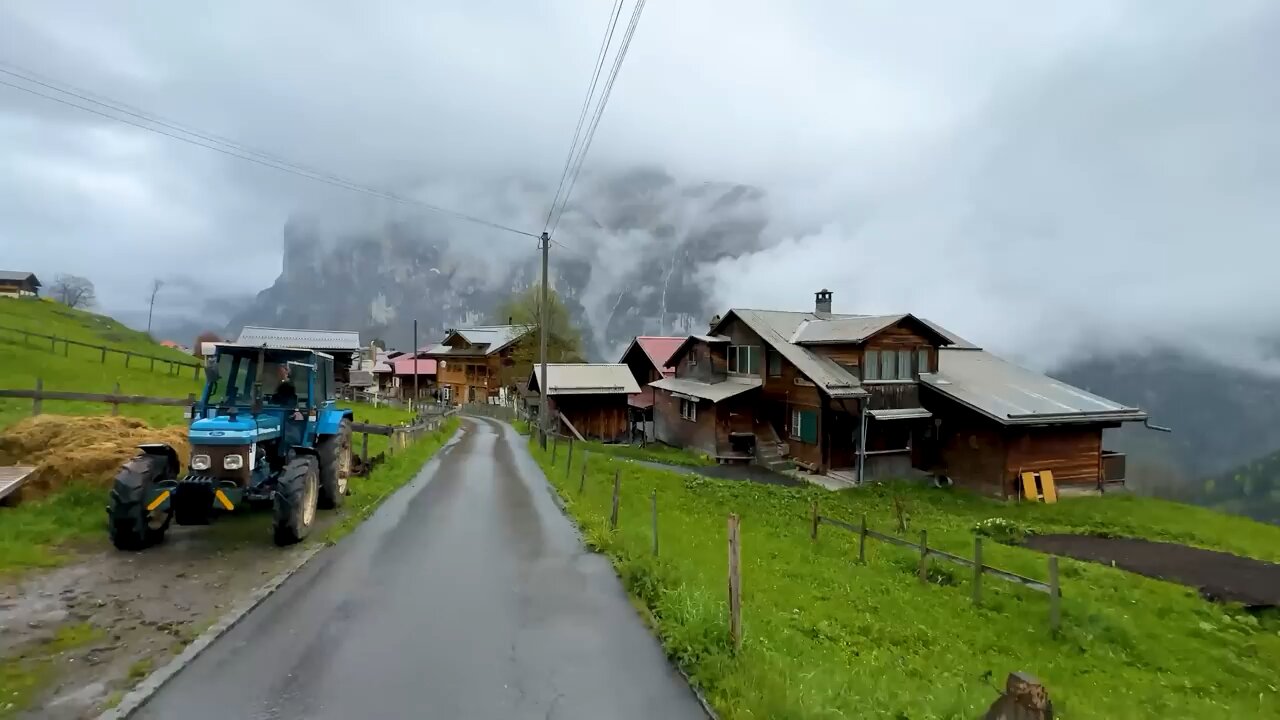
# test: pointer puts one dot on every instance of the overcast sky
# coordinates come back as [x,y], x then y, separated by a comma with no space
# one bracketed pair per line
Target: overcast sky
[1045,177]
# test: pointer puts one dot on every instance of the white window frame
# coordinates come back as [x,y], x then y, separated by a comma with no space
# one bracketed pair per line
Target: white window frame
[922,361]
[689,410]
[795,425]
[734,359]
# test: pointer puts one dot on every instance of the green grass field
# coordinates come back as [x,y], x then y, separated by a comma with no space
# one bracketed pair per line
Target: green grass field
[826,637]
[653,452]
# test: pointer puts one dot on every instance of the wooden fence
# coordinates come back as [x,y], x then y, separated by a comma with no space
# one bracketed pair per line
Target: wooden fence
[1050,587]
[171,366]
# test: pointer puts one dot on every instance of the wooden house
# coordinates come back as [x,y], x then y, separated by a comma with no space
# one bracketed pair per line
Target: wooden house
[473,363]
[841,395]
[19,284]
[994,420]
[410,372]
[590,397]
[649,358]
[343,345]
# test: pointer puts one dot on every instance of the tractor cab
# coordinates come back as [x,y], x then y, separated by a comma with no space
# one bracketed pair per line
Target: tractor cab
[265,430]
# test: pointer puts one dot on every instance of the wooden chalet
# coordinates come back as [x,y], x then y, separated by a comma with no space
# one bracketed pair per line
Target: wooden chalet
[649,358]
[474,361]
[19,284]
[410,372]
[842,395]
[589,397]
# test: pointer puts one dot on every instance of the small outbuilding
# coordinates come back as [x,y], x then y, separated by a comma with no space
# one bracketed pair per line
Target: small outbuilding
[592,397]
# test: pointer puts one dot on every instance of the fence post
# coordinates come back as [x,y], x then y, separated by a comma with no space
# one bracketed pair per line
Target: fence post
[104,356]
[813,518]
[195,372]
[53,344]
[37,401]
[617,488]
[653,499]
[115,406]
[923,571]
[735,584]
[555,445]
[127,357]
[364,451]
[1055,595]
[153,364]
[977,570]
[66,348]
[569,465]
[582,484]
[862,541]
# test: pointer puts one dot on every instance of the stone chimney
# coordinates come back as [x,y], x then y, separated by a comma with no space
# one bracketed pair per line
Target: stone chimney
[715,320]
[822,301]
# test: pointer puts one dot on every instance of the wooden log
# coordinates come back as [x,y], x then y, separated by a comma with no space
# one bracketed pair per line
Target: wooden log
[862,541]
[813,521]
[735,584]
[617,490]
[977,570]
[1024,698]
[37,400]
[923,570]
[1055,595]
[653,501]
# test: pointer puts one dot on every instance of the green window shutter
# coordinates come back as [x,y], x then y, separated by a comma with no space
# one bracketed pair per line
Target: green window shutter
[809,426]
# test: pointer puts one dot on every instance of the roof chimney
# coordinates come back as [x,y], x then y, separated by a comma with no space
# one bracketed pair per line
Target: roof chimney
[715,320]
[822,301]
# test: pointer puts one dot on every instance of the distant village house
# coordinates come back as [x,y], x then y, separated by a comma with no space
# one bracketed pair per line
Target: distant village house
[19,284]
[649,359]
[473,363]
[590,399]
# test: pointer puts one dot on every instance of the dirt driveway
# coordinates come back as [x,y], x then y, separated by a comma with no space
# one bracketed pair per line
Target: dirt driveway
[1218,575]
[74,639]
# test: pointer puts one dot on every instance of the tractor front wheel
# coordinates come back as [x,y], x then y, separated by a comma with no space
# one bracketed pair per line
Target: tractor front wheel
[131,525]
[335,466]
[297,494]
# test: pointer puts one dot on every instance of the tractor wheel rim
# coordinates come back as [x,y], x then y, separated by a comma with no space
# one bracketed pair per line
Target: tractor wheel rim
[309,500]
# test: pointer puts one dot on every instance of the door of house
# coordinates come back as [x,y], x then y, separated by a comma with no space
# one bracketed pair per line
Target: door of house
[843,439]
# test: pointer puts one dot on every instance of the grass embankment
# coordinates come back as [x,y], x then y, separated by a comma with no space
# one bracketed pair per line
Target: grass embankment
[826,637]
[368,493]
[23,675]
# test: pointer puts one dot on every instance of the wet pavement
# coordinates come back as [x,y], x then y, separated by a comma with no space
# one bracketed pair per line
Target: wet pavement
[467,595]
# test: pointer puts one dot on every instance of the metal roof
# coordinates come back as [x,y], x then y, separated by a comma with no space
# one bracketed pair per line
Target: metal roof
[404,366]
[845,329]
[900,414]
[658,349]
[486,339]
[19,276]
[586,379]
[776,328]
[1014,395]
[715,392]
[340,340]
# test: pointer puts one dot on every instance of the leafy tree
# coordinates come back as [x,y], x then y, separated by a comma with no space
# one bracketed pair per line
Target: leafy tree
[74,291]
[564,340]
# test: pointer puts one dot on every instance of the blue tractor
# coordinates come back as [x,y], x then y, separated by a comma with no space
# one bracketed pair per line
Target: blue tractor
[265,431]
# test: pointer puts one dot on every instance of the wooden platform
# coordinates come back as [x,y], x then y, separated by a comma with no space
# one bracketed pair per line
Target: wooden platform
[12,478]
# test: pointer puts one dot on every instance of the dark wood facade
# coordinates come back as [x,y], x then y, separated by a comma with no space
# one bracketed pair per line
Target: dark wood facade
[474,378]
[597,417]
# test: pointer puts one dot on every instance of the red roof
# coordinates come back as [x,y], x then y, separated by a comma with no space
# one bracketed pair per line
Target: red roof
[659,349]
[404,366]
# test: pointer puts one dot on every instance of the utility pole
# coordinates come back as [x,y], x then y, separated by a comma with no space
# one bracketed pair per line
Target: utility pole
[415,364]
[544,413]
[156,284]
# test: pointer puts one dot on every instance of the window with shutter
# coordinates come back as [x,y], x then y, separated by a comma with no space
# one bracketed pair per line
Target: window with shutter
[804,425]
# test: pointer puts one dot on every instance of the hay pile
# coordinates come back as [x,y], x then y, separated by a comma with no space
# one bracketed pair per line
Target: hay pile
[66,449]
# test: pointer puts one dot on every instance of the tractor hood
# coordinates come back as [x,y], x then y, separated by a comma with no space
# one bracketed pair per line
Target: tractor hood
[244,430]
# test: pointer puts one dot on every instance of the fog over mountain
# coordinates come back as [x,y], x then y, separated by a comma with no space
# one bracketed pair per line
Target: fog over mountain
[1055,181]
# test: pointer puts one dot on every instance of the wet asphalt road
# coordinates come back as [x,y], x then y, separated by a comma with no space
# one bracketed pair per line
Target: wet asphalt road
[467,595]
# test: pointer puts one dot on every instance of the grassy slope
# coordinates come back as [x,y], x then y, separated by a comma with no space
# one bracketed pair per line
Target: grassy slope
[652,452]
[826,637]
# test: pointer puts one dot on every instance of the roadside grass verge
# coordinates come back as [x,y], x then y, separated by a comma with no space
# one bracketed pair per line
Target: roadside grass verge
[38,534]
[653,452]
[367,493]
[26,673]
[826,637]
[521,426]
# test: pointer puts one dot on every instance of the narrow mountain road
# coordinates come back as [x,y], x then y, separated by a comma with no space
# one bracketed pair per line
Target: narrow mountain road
[467,595]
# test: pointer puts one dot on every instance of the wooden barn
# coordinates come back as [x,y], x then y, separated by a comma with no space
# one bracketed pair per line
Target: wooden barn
[649,358]
[19,284]
[591,397]
[994,420]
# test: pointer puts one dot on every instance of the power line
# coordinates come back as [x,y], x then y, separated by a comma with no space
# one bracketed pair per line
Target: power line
[600,106]
[605,42]
[233,149]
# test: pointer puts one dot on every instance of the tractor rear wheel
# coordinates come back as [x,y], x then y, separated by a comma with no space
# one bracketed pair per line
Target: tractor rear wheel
[335,466]
[131,525]
[297,493]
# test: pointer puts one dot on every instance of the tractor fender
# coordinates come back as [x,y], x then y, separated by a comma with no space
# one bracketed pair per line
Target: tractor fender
[165,451]
[330,421]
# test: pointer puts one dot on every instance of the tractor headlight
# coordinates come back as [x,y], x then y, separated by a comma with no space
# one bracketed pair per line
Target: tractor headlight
[233,462]
[199,462]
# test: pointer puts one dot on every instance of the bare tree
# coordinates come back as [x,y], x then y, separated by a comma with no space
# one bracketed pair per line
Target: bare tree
[73,291]
[156,284]
[208,336]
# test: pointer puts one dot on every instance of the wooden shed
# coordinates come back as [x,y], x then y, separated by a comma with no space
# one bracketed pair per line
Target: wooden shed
[592,397]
